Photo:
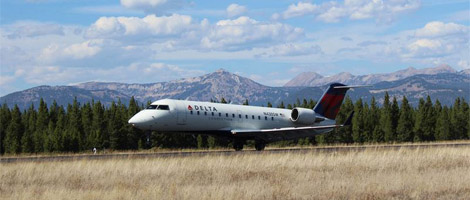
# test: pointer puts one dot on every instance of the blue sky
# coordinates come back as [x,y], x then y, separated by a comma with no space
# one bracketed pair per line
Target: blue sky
[64,42]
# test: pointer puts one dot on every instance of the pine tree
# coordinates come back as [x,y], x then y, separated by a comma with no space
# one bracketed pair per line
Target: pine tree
[437,111]
[30,122]
[304,103]
[223,100]
[87,121]
[200,142]
[395,114]
[53,112]
[5,118]
[99,133]
[58,141]
[42,123]
[281,105]
[419,122]
[405,122]
[425,121]
[344,134]
[311,104]
[466,118]
[74,127]
[443,126]
[270,105]
[14,132]
[133,134]
[211,142]
[116,126]
[386,120]
[246,102]
[457,120]
[48,145]
[374,117]
[358,122]
[367,123]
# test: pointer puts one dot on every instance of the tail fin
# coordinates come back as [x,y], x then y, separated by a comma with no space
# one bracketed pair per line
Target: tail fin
[331,101]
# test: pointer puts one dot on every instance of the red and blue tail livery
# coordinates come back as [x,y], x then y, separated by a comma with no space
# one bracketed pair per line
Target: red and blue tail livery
[331,101]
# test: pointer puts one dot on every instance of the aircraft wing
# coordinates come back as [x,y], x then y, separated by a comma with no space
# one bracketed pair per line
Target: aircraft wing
[288,132]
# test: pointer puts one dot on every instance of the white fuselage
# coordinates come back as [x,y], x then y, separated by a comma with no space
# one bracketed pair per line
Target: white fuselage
[194,116]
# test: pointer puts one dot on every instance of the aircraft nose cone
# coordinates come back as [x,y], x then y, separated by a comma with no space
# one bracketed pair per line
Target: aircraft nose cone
[134,120]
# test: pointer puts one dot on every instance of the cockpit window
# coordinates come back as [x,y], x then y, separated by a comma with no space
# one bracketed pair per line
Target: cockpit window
[158,107]
[152,107]
[163,107]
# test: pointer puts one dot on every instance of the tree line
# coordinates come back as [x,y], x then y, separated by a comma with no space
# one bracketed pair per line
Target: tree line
[77,127]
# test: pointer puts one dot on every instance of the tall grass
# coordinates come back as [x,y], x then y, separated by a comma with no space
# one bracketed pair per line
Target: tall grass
[430,173]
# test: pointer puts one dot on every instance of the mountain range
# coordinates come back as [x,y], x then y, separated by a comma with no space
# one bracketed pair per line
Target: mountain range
[442,82]
[312,79]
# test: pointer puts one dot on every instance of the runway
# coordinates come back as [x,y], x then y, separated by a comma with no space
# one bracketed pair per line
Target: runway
[224,152]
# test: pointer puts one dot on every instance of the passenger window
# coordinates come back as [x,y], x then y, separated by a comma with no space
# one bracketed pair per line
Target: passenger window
[259,117]
[163,107]
[197,112]
[265,118]
[246,116]
[272,118]
[233,115]
[220,114]
[226,114]
[212,113]
[152,107]
[252,117]
[239,116]
[191,112]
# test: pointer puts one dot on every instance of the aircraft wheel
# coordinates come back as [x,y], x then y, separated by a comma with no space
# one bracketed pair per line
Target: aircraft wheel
[238,145]
[259,145]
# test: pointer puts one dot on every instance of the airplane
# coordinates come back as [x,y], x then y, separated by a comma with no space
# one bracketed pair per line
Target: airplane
[240,123]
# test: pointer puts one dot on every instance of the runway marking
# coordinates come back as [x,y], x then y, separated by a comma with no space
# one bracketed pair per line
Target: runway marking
[222,152]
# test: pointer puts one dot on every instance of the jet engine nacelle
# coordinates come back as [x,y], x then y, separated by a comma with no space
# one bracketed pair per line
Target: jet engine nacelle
[303,116]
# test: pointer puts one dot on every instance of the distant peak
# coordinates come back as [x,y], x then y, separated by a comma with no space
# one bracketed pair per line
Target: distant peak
[221,70]
[445,67]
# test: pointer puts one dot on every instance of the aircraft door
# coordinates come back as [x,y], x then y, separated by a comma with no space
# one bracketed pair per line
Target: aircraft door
[181,113]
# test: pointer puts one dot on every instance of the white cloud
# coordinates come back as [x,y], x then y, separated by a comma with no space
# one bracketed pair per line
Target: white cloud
[234,10]
[333,11]
[140,72]
[4,80]
[464,64]
[159,7]
[302,8]
[107,10]
[246,33]
[33,29]
[438,40]
[291,50]
[425,44]
[49,54]
[151,25]
[441,29]
[84,49]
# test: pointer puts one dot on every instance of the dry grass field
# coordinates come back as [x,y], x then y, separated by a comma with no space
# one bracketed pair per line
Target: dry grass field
[431,173]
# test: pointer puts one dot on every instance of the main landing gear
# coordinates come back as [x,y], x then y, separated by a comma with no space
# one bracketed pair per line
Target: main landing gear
[238,145]
[259,145]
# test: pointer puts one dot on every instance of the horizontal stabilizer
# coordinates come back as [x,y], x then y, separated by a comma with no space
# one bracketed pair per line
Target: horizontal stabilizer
[351,86]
